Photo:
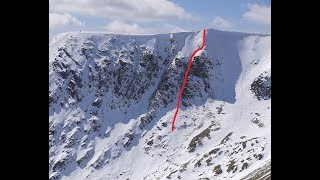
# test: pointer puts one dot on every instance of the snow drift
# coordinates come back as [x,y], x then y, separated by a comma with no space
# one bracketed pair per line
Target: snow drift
[112,99]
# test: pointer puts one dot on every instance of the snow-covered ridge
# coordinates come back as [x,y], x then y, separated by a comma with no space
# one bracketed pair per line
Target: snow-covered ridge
[112,99]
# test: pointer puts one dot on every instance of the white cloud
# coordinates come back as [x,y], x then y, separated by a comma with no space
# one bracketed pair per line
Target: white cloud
[258,14]
[138,10]
[165,28]
[168,28]
[120,27]
[62,20]
[220,23]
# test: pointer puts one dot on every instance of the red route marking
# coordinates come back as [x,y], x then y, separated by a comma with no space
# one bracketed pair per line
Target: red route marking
[186,76]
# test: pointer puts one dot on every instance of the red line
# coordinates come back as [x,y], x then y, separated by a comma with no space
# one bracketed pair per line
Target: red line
[186,76]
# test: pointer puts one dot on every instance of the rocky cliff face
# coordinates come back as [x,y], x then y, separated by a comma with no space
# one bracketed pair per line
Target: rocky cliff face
[112,99]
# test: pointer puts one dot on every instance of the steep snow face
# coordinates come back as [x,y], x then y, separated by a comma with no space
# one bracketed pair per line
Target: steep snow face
[112,99]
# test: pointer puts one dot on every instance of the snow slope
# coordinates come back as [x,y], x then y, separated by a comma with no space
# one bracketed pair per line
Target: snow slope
[112,99]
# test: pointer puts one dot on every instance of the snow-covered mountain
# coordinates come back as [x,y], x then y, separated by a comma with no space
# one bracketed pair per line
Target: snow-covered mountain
[112,99]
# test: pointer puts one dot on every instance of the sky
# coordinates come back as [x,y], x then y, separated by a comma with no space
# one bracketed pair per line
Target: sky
[158,16]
